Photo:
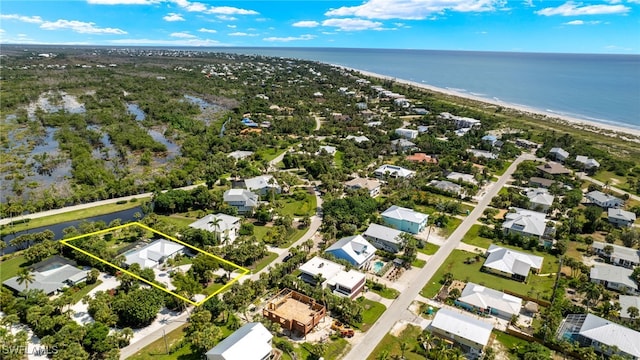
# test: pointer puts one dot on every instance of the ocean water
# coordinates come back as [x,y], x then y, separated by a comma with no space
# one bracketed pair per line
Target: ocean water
[595,87]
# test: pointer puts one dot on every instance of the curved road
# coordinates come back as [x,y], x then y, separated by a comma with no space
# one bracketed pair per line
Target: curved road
[368,343]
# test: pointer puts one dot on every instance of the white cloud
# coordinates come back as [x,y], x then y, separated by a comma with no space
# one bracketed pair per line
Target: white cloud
[80,27]
[633,1]
[413,9]
[353,24]
[173,17]
[232,26]
[227,18]
[242,34]
[2,31]
[211,31]
[185,42]
[571,8]
[289,38]
[306,23]
[204,8]
[582,22]
[27,19]
[183,35]
[528,3]
[122,2]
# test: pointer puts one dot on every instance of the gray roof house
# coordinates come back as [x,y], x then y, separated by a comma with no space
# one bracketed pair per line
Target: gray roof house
[262,184]
[614,278]
[240,154]
[252,341]
[602,335]
[447,186]
[402,144]
[243,200]
[50,281]
[621,218]
[482,154]
[227,225]
[604,200]
[153,254]
[469,332]
[467,178]
[393,171]
[511,263]
[409,134]
[620,255]
[528,223]
[559,154]
[372,185]
[626,302]
[587,162]
[539,198]
[384,238]
[478,298]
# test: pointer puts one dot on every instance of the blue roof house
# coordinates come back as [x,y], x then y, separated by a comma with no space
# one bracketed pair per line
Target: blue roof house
[405,219]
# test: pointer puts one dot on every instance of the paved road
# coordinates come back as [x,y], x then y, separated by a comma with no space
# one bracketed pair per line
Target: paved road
[85,206]
[375,334]
[612,188]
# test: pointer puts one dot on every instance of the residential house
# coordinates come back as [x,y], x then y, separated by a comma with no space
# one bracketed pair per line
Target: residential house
[614,278]
[617,255]
[466,178]
[409,134]
[529,223]
[252,341]
[239,154]
[587,163]
[466,331]
[422,158]
[225,226]
[539,199]
[553,168]
[460,121]
[295,312]
[447,186]
[524,143]
[243,200]
[343,283]
[603,200]
[50,276]
[401,145]
[490,139]
[384,238]
[627,302]
[372,185]
[511,263]
[331,150]
[482,154]
[393,172]
[559,154]
[358,139]
[153,254]
[405,219]
[262,185]
[480,299]
[354,249]
[621,218]
[423,129]
[541,182]
[604,336]
[420,111]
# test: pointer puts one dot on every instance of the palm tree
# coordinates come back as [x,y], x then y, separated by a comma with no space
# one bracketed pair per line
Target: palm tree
[215,222]
[26,277]
[633,312]
[426,340]
[403,348]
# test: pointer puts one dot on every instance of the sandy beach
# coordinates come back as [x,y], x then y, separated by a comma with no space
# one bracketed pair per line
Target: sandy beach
[629,134]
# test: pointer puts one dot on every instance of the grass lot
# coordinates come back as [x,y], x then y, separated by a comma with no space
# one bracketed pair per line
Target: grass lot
[11,267]
[509,341]
[419,263]
[429,249]
[334,350]
[215,286]
[505,166]
[472,238]
[387,292]
[372,311]
[471,272]
[264,262]
[295,208]
[261,231]
[270,153]
[338,159]
[157,349]
[78,295]
[619,182]
[391,345]
[177,220]
[452,225]
[71,215]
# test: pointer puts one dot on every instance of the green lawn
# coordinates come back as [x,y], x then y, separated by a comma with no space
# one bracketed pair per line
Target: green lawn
[505,166]
[270,153]
[429,249]
[472,238]
[509,341]
[78,295]
[372,311]
[71,215]
[451,226]
[295,208]
[263,262]
[386,292]
[215,286]
[11,267]
[391,345]
[419,263]
[338,159]
[157,349]
[471,272]
[336,348]
[177,220]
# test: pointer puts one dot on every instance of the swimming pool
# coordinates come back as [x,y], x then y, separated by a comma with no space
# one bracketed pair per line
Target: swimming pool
[377,266]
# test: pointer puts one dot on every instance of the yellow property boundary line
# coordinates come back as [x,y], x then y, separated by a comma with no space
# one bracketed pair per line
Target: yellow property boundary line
[244,271]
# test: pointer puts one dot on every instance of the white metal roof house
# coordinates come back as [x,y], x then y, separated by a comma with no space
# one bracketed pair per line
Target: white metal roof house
[240,154]
[151,255]
[604,200]
[393,171]
[587,163]
[50,281]
[405,219]
[470,333]
[478,298]
[262,184]
[511,263]
[243,200]
[621,218]
[602,335]
[384,238]
[614,278]
[627,302]
[539,198]
[482,154]
[227,225]
[409,134]
[620,255]
[252,341]
[559,154]
[330,150]
[467,178]
[447,186]
[343,283]
[529,224]
[358,139]
[355,249]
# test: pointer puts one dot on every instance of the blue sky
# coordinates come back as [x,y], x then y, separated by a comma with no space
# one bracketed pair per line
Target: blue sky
[591,26]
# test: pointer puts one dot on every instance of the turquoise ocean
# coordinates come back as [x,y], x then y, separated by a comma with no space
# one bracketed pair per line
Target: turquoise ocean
[595,87]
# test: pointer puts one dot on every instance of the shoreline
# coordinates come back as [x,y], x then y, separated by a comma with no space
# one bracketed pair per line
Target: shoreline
[629,134]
